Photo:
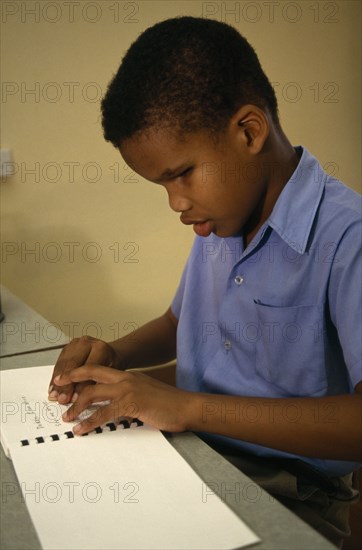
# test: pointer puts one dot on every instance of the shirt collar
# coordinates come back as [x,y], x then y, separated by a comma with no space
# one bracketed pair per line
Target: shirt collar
[294,212]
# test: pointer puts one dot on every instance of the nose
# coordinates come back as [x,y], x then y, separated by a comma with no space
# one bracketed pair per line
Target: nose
[177,201]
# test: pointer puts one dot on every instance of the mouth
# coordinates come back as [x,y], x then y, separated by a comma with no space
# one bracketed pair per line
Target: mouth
[187,221]
[203,228]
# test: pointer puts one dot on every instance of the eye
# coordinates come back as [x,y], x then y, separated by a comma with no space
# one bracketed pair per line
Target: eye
[185,172]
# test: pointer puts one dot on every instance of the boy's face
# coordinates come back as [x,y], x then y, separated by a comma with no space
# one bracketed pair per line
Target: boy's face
[216,187]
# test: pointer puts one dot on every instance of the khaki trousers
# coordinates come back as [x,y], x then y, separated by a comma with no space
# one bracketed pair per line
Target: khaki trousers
[321,501]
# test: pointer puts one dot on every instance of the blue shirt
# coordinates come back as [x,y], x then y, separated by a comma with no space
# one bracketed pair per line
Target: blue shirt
[281,318]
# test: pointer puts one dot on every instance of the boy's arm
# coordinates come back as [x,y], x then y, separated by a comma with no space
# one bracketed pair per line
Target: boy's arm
[323,427]
[152,344]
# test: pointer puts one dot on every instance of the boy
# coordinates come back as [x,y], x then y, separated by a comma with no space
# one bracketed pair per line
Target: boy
[266,322]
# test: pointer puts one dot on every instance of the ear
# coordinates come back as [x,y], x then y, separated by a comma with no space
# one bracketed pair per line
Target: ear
[252,126]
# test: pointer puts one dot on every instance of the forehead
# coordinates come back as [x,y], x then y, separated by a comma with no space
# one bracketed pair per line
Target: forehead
[152,152]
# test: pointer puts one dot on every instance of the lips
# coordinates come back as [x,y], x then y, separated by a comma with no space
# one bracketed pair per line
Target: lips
[189,222]
[203,228]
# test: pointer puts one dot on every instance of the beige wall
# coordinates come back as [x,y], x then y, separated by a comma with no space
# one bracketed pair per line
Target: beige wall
[128,248]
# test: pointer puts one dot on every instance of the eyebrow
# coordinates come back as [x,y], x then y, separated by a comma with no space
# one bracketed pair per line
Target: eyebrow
[170,173]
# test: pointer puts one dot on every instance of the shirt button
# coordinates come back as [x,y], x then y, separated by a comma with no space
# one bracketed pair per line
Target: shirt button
[238,279]
[227,345]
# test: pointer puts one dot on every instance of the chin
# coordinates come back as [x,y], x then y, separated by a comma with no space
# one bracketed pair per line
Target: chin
[224,233]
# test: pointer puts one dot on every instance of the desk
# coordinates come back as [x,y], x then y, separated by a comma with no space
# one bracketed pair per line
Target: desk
[23,330]
[278,528]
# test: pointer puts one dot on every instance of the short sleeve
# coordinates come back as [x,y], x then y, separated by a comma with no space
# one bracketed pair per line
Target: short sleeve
[176,304]
[345,298]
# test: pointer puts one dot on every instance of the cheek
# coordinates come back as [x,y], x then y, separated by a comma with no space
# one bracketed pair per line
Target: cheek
[217,188]
[211,183]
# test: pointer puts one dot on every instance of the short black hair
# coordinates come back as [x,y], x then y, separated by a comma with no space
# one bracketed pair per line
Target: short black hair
[185,73]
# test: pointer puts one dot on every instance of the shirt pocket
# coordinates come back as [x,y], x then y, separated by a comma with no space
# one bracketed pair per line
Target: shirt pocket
[290,348]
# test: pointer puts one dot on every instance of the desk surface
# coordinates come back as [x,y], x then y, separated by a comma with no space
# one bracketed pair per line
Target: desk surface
[23,329]
[278,528]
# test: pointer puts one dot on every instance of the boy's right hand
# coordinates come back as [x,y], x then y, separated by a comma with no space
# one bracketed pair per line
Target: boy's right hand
[77,353]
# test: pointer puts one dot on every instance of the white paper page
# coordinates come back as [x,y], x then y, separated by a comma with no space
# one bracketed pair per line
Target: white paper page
[26,412]
[127,489]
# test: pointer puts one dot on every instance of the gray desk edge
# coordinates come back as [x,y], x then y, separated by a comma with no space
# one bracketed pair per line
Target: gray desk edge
[277,527]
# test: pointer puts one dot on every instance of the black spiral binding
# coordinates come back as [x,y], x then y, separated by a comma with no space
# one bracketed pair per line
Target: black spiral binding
[112,426]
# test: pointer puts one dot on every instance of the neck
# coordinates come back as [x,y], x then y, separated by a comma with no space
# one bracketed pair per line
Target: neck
[278,162]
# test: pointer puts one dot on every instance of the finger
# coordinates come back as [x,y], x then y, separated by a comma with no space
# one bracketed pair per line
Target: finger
[92,394]
[100,417]
[65,390]
[97,373]
[71,357]
[78,388]
[112,410]
[71,393]
[82,402]
[62,395]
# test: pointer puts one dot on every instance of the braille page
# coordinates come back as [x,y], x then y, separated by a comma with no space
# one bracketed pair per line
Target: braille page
[26,412]
[120,489]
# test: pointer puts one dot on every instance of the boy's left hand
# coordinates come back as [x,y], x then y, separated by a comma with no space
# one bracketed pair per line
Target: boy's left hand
[130,394]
